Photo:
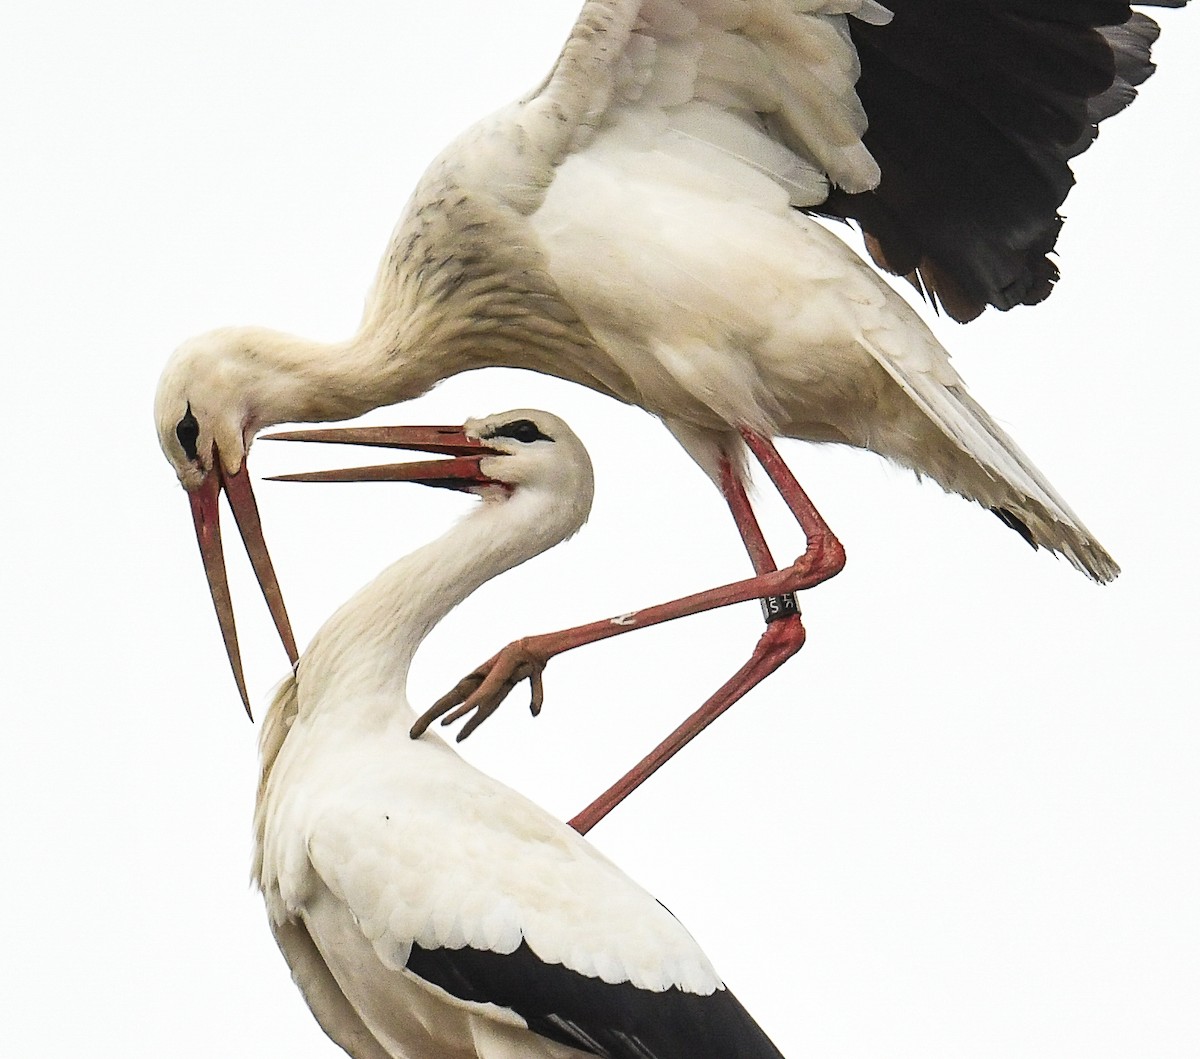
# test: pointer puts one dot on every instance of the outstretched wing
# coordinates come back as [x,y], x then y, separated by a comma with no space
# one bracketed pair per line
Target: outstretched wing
[975,109]
[951,150]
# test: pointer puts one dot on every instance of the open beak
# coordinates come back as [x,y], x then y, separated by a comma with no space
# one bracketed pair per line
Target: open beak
[460,471]
[206,516]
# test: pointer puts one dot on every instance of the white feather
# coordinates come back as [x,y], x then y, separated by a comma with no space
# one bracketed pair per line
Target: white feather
[368,842]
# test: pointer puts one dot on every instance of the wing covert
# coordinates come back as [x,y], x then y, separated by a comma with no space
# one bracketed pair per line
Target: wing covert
[447,858]
[770,82]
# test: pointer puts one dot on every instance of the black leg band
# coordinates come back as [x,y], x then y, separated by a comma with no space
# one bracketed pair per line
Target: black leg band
[776,607]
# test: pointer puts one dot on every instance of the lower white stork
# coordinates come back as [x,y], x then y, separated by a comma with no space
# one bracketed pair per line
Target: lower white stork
[427,910]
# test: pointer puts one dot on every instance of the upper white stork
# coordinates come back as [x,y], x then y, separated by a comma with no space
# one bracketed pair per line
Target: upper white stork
[642,223]
[427,911]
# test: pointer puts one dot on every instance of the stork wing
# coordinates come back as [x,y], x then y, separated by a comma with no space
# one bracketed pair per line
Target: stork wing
[444,856]
[975,109]
[616,1020]
[443,878]
[771,82]
[951,151]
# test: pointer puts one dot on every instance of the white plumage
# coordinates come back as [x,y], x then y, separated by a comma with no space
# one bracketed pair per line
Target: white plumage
[637,224]
[375,851]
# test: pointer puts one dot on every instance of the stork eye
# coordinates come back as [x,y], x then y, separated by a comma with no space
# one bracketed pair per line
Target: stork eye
[187,430]
[522,430]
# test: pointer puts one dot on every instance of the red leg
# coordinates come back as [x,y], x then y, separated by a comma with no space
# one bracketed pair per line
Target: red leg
[483,690]
[823,555]
[782,639]
[743,516]
[817,533]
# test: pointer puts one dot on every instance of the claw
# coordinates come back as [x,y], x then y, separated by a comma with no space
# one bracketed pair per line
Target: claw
[535,692]
[482,691]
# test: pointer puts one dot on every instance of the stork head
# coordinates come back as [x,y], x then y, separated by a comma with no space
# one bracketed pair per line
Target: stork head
[524,456]
[535,451]
[209,401]
[523,450]
[204,411]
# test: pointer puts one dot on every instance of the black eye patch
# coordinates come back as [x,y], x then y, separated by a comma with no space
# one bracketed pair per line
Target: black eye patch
[522,430]
[187,430]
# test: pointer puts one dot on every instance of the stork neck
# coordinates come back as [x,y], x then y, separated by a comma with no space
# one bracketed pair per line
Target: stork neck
[360,658]
[297,380]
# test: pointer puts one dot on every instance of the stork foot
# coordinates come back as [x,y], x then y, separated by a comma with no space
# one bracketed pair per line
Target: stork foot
[485,688]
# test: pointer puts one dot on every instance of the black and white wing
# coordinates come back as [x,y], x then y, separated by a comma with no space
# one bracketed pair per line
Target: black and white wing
[427,909]
[943,128]
[975,109]
[617,1020]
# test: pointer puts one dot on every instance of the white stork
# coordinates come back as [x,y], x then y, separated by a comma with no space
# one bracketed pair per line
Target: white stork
[642,223]
[426,910]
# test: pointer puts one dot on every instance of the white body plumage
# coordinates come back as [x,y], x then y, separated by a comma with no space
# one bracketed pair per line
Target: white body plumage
[631,226]
[374,850]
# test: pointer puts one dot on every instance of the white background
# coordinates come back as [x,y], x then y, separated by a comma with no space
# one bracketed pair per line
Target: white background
[962,823]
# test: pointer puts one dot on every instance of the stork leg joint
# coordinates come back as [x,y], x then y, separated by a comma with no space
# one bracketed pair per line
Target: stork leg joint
[822,559]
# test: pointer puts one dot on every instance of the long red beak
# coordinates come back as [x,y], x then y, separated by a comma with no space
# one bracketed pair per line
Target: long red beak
[461,471]
[206,516]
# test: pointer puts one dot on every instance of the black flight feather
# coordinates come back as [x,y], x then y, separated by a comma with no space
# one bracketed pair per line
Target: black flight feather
[974,110]
[617,1021]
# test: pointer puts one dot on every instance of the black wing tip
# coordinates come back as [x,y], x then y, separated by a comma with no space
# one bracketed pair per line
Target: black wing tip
[981,239]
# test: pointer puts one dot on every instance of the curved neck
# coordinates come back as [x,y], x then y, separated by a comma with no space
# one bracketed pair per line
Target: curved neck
[297,380]
[359,661]
[459,288]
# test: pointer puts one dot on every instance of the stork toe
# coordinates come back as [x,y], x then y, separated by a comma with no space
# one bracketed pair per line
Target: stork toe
[482,691]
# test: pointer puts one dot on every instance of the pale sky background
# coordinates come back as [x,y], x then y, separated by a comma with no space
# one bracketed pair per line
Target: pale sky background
[963,823]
